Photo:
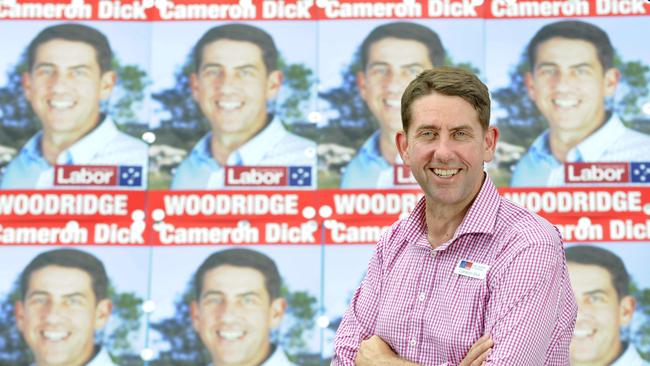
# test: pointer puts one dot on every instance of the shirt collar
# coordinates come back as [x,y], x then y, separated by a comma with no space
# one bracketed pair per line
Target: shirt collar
[480,218]
[592,146]
[595,144]
[82,151]
[251,152]
[370,150]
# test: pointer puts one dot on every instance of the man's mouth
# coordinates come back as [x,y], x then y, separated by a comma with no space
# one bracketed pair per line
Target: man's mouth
[392,103]
[445,173]
[55,336]
[565,103]
[583,332]
[231,335]
[60,104]
[229,106]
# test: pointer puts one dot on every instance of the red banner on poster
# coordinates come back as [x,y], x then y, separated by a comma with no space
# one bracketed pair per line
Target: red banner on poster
[70,217]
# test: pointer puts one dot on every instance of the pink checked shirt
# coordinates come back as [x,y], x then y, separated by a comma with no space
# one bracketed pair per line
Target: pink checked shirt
[429,315]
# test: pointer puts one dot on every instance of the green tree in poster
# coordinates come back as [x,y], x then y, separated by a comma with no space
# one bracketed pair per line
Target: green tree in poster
[184,348]
[119,337]
[641,336]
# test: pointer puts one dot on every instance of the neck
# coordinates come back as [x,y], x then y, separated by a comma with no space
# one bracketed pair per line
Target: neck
[54,143]
[442,223]
[387,146]
[561,142]
[224,144]
[443,220]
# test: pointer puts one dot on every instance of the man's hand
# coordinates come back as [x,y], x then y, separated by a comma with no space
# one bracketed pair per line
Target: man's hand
[479,352]
[375,352]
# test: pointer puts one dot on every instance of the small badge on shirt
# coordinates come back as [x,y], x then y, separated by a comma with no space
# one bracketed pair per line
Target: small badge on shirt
[472,269]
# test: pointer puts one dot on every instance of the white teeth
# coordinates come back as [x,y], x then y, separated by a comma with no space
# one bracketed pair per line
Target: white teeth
[231,335]
[582,333]
[565,103]
[60,104]
[394,103]
[229,105]
[55,335]
[445,172]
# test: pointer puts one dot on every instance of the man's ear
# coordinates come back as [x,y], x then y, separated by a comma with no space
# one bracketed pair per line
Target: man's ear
[102,313]
[19,313]
[26,82]
[195,315]
[277,309]
[194,86]
[361,84]
[626,308]
[401,141]
[611,78]
[530,85]
[491,136]
[273,84]
[106,84]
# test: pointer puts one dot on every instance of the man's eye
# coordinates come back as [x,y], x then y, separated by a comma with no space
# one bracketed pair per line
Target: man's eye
[547,71]
[414,71]
[79,72]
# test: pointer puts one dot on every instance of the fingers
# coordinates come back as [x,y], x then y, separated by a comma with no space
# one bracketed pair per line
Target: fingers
[479,352]
[481,358]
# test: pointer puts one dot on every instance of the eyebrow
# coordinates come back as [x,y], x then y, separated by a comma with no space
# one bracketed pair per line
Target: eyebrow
[596,292]
[453,129]
[553,64]
[214,292]
[50,64]
[245,66]
[45,293]
[384,63]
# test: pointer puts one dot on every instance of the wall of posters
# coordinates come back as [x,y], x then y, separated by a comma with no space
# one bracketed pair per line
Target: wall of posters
[256,138]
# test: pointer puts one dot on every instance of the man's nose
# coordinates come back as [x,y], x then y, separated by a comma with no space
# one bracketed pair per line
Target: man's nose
[228,82]
[54,312]
[59,82]
[397,81]
[444,149]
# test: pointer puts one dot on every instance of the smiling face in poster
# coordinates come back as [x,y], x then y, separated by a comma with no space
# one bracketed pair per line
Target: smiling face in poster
[235,314]
[65,88]
[569,85]
[232,87]
[59,315]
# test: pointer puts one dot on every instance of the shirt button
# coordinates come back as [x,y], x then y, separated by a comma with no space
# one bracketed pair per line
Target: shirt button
[412,343]
[422,296]
[433,254]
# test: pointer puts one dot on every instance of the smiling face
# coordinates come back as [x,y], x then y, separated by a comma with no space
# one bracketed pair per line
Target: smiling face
[446,147]
[65,87]
[235,315]
[392,64]
[596,339]
[232,87]
[59,316]
[569,86]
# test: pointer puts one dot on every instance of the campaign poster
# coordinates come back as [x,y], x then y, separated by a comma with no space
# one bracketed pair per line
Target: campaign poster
[244,119]
[74,110]
[576,118]
[240,311]
[61,285]
[360,104]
